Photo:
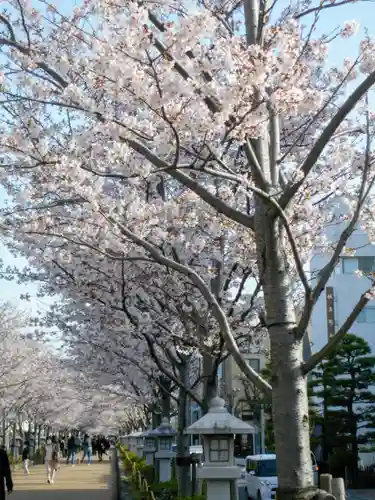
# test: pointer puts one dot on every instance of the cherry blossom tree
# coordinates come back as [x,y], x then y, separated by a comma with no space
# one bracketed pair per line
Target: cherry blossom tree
[173,137]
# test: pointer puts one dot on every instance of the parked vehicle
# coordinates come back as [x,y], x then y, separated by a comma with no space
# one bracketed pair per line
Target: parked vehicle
[261,476]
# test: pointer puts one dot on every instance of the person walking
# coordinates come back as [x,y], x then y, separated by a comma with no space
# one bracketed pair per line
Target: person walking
[87,449]
[51,459]
[5,474]
[101,448]
[62,447]
[72,448]
[26,458]
[94,445]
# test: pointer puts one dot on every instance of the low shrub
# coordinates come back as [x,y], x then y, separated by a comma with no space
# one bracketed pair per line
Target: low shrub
[12,461]
[142,480]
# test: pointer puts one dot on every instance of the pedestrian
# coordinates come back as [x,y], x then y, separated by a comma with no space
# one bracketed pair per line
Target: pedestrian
[5,474]
[101,448]
[94,445]
[87,449]
[51,459]
[62,447]
[107,447]
[26,458]
[72,448]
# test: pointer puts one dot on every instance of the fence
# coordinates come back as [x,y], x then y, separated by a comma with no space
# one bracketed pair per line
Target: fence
[137,478]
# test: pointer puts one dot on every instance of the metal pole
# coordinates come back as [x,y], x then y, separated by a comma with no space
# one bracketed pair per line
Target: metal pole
[262,432]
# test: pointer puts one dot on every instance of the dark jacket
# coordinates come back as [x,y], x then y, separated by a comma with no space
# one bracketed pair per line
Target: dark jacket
[87,443]
[72,444]
[26,453]
[5,473]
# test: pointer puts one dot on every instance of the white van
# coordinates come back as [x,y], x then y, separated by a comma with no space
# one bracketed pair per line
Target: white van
[261,476]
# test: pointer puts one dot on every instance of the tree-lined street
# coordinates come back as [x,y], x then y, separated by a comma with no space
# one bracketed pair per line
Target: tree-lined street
[172,173]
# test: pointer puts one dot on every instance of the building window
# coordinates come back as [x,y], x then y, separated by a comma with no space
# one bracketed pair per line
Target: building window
[254,363]
[219,450]
[367,315]
[352,264]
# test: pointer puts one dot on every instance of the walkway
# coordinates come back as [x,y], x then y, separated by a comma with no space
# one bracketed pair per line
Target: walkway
[81,482]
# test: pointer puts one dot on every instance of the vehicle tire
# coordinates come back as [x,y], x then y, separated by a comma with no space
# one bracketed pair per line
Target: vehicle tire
[259,496]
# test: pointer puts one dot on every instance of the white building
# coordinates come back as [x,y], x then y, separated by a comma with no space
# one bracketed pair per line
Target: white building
[347,288]
[344,289]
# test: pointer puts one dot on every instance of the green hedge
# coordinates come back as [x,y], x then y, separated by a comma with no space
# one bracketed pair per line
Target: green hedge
[154,489]
[14,462]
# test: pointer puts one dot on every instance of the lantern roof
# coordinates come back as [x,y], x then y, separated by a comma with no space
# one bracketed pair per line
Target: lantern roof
[146,433]
[219,421]
[164,430]
[136,434]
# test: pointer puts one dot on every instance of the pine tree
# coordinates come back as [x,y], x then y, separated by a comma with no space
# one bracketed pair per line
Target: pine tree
[341,394]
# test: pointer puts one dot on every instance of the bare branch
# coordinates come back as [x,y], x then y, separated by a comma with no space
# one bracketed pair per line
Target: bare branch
[316,358]
[187,181]
[219,314]
[326,136]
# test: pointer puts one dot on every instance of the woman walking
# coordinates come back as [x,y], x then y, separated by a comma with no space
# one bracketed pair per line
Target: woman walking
[26,458]
[51,459]
[87,449]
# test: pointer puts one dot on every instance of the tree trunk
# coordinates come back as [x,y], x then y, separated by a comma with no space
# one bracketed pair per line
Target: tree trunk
[4,433]
[210,387]
[290,413]
[166,385]
[14,451]
[183,440]
[354,443]
[39,434]
[289,395]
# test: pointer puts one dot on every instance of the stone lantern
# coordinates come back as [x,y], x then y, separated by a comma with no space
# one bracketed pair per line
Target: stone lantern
[139,444]
[124,440]
[164,435]
[149,446]
[18,443]
[217,429]
[132,439]
[42,443]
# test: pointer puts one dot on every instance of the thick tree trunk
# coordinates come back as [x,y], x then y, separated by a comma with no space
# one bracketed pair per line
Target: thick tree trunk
[210,387]
[289,396]
[183,472]
[354,442]
[166,384]
[290,413]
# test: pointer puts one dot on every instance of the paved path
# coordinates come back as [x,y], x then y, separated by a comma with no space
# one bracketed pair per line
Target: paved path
[81,482]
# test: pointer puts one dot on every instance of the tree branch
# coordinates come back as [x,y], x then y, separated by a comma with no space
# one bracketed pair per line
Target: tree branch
[219,314]
[316,358]
[187,181]
[326,136]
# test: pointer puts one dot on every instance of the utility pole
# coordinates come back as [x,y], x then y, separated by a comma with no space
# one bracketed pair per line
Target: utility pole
[330,313]
[262,431]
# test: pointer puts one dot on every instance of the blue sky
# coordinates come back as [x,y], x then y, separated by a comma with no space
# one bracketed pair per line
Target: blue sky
[363,12]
